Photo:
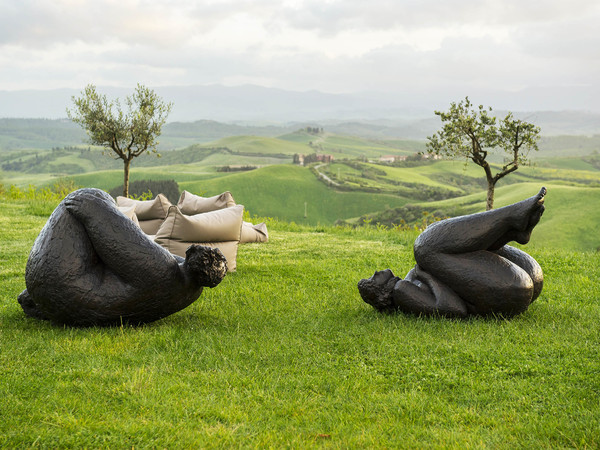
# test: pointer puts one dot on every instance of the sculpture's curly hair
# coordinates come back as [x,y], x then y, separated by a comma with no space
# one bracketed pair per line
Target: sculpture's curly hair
[377,295]
[206,264]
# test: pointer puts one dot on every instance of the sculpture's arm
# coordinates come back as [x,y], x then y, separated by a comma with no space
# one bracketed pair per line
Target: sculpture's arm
[420,293]
[447,302]
[117,240]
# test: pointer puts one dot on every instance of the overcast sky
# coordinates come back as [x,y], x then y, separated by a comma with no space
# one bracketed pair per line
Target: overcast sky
[328,45]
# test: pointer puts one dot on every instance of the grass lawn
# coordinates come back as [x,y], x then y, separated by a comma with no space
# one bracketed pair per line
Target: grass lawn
[284,353]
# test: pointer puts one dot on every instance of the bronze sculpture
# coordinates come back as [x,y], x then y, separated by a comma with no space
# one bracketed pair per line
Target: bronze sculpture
[91,265]
[464,267]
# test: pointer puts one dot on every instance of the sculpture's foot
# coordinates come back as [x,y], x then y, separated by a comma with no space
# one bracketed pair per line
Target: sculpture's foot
[532,210]
[377,290]
[521,218]
[29,307]
[207,265]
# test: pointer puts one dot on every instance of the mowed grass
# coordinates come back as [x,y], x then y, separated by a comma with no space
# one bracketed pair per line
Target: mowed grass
[284,353]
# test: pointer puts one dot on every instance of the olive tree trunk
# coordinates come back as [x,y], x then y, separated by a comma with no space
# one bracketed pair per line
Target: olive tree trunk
[489,203]
[126,163]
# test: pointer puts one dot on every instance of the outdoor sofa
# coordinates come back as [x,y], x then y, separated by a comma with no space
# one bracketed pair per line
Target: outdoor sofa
[211,221]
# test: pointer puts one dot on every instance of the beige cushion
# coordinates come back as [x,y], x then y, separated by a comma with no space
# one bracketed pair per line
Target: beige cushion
[191,204]
[150,213]
[129,212]
[221,229]
[254,233]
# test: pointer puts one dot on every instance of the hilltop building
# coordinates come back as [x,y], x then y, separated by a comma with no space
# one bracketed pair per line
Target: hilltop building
[392,158]
[303,160]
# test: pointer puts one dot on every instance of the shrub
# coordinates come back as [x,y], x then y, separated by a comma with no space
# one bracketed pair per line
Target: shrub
[140,188]
[41,201]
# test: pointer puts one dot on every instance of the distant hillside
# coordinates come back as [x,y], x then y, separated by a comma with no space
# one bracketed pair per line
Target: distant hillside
[39,133]
[285,192]
[216,102]
[408,114]
[181,134]
[288,192]
[234,150]
[259,145]
[46,133]
[385,135]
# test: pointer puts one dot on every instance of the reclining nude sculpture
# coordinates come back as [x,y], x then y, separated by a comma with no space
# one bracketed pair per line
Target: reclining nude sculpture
[91,265]
[464,267]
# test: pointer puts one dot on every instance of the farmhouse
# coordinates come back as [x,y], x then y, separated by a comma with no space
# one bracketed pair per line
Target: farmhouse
[391,158]
[303,160]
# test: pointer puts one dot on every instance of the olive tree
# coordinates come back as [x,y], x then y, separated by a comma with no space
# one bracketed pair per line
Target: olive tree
[126,133]
[473,132]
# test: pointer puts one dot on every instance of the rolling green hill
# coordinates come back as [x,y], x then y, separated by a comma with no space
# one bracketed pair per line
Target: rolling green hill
[278,191]
[260,145]
[350,146]
[283,191]
[378,192]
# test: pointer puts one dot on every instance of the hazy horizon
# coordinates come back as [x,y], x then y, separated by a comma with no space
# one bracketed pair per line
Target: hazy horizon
[539,55]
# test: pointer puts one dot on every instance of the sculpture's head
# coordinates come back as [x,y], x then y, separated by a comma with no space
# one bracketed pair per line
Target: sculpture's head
[205,265]
[377,290]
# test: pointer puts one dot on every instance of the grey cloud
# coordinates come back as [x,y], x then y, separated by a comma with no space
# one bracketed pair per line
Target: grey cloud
[570,39]
[549,43]
[328,18]
[40,24]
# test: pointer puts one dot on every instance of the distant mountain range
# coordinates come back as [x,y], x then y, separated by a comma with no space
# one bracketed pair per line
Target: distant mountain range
[256,105]
[576,127]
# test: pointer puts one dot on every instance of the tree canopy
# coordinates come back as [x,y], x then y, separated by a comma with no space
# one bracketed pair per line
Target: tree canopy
[128,132]
[472,133]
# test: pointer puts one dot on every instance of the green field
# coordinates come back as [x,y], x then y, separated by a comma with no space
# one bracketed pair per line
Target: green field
[288,192]
[350,146]
[284,354]
[363,189]
[294,193]
[259,145]
[571,217]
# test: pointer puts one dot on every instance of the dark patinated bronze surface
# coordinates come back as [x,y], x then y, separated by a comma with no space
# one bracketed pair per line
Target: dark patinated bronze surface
[91,265]
[465,267]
